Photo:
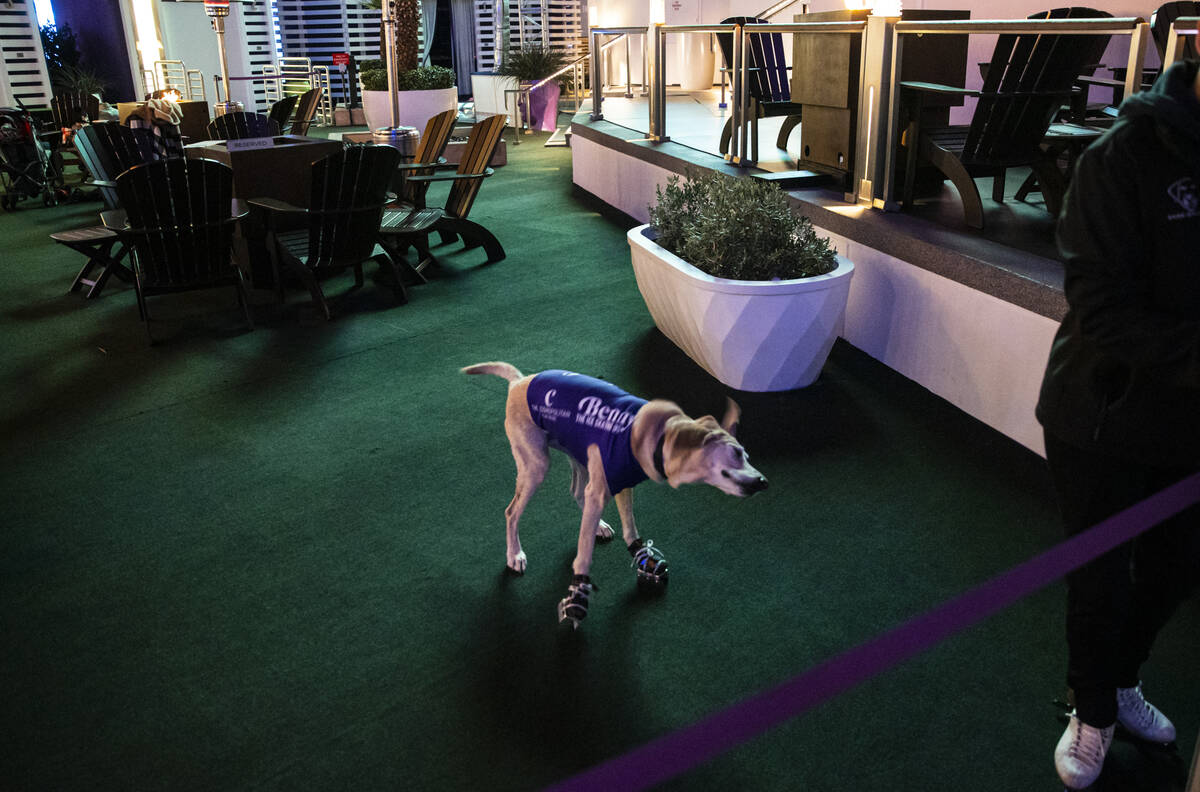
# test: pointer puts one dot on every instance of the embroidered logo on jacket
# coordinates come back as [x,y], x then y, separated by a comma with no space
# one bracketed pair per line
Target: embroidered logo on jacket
[1185,193]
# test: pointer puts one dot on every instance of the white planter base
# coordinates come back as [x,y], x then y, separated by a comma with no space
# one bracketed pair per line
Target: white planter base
[750,335]
[415,107]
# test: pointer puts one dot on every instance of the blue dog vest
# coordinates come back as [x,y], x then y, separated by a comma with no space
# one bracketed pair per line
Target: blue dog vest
[578,411]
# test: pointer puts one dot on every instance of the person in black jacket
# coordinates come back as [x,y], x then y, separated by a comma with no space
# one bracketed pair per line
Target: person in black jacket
[1120,402]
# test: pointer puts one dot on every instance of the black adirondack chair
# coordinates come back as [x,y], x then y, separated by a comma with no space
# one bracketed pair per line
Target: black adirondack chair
[411,225]
[1160,26]
[179,223]
[106,150]
[767,82]
[1028,79]
[306,111]
[281,112]
[235,126]
[349,189]
[72,107]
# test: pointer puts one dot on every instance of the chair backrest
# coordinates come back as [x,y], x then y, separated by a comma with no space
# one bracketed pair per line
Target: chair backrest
[71,107]
[437,135]
[1028,79]
[430,149]
[235,126]
[1160,26]
[281,111]
[346,198]
[767,76]
[108,149]
[181,222]
[481,144]
[306,110]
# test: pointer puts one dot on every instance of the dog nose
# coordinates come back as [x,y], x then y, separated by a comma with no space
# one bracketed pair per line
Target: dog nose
[757,485]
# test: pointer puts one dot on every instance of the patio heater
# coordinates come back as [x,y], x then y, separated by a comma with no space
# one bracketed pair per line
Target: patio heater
[217,10]
[402,138]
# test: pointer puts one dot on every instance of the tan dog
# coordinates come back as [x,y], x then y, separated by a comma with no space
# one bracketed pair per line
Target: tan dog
[593,422]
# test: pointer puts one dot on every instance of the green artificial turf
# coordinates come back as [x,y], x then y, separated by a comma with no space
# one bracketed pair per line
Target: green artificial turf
[275,559]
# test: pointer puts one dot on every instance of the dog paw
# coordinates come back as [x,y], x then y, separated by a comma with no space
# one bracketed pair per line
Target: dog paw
[604,531]
[517,563]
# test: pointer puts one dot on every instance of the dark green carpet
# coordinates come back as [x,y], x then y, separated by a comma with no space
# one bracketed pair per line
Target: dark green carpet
[274,560]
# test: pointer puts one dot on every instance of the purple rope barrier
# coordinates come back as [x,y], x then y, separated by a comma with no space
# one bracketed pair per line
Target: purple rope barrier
[679,751]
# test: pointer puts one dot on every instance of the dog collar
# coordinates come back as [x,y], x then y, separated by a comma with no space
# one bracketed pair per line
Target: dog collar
[658,456]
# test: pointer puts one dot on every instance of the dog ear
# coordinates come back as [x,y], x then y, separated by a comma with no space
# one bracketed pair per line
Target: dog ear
[733,416]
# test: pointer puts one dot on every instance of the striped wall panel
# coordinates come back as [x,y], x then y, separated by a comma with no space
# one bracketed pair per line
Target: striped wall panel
[21,48]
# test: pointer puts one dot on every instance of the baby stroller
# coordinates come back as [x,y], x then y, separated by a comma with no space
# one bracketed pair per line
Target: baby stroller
[27,165]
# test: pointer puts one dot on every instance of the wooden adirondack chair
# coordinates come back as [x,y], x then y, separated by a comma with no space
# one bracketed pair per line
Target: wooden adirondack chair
[71,107]
[1028,79]
[1160,26]
[179,222]
[107,150]
[426,159]
[411,225]
[235,126]
[349,189]
[306,111]
[767,82]
[281,112]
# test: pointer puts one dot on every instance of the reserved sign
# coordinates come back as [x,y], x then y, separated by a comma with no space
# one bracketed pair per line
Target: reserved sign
[245,144]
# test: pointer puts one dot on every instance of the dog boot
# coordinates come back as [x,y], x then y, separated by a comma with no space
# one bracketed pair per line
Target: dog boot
[574,606]
[650,563]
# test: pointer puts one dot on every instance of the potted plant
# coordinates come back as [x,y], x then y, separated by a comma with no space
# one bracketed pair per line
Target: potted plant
[739,282]
[424,91]
[528,65]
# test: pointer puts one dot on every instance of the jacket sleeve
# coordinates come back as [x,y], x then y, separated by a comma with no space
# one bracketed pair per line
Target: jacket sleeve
[1107,246]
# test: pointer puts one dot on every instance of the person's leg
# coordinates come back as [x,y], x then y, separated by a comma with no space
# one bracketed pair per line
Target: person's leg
[1091,488]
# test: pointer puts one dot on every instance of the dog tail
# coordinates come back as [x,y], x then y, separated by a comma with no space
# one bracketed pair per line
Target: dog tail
[500,369]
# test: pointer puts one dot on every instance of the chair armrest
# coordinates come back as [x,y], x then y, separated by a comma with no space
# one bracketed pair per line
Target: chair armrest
[276,205]
[441,163]
[938,88]
[101,183]
[451,176]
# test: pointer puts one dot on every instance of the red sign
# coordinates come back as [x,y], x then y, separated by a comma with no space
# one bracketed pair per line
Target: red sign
[341,59]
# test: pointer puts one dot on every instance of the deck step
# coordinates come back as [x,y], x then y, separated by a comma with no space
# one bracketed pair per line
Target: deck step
[561,136]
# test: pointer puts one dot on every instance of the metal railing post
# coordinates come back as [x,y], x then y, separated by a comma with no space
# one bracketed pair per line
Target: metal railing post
[742,98]
[874,108]
[597,78]
[887,195]
[736,132]
[658,83]
[1137,56]
[628,71]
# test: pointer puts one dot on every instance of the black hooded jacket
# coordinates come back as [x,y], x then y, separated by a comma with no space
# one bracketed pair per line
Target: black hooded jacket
[1124,372]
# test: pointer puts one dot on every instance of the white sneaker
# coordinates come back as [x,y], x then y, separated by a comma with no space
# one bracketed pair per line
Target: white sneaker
[1141,717]
[1079,757]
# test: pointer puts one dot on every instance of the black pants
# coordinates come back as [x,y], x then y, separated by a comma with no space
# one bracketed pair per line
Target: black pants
[1117,603]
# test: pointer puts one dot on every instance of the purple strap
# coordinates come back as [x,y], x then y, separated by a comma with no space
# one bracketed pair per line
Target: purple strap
[682,750]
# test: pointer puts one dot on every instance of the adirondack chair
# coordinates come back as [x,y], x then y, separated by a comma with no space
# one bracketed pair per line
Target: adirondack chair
[349,189]
[1160,26]
[235,126]
[179,222]
[426,158]
[69,108]
[107,150]
[306,111]
[281,112]
[767,82]
[1027,80]
[411,225]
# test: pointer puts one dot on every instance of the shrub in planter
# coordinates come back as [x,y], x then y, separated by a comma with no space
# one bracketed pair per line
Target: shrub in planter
[741,284]
[740,229]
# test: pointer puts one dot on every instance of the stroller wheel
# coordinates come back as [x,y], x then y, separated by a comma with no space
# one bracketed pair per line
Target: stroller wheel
[49,199]
[7,203]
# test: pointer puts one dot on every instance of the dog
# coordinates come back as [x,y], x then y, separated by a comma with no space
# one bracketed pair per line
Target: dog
[614,441]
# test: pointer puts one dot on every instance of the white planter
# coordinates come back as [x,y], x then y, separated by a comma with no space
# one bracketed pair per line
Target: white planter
[750,335]
[415,107]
